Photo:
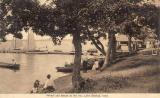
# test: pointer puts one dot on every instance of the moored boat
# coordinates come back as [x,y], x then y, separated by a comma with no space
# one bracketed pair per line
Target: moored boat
[64,69]
[10,66]
[37,52]
[68,69]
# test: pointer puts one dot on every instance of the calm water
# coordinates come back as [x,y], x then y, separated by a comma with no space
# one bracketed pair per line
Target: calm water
[33,66]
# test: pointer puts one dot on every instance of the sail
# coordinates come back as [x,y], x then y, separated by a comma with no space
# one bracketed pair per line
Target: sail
[13,44]
[31,41]
[16,43]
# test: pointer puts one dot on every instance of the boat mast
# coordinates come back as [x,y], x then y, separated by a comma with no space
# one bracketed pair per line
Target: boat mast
[15,43]
[28,41]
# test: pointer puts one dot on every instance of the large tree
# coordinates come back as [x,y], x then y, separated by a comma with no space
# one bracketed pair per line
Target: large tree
[118,16]
[56,20]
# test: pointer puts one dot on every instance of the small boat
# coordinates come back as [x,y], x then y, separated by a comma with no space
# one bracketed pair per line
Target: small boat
[70,69]
[36,52]
[10,66]
[64,69]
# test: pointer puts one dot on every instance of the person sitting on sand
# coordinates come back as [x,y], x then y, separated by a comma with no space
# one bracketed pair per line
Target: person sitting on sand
[49,84]
[35,87]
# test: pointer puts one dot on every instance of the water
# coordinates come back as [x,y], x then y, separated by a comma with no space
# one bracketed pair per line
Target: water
[33,66]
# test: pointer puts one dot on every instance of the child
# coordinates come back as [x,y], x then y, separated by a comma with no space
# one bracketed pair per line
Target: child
[35,86]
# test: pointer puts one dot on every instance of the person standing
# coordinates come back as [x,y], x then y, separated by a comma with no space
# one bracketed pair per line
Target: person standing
[13,61]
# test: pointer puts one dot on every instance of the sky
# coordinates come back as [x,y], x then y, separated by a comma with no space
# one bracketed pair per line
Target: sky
[37,37]
[25,35]
[157,2]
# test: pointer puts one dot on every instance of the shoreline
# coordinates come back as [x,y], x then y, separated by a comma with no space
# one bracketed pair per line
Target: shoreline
[45,52]
[123,74]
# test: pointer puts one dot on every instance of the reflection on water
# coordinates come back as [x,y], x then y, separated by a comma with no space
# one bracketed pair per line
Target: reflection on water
[33,66]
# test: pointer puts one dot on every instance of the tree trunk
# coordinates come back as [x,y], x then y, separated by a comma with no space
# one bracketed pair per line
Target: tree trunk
[113,49]
[108,53]
[129,44]
[101,49]
[76,77]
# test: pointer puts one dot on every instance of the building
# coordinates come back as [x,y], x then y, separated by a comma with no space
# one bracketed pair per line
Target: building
[122,43]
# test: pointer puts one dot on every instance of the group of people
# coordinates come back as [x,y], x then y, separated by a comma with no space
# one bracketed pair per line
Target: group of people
[88,63]
[47,87]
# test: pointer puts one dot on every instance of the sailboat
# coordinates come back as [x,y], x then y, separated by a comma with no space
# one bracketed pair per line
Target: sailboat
[31,45]
[17,45]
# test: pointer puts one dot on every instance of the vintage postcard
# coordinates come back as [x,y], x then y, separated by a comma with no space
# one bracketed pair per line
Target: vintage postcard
[80,48]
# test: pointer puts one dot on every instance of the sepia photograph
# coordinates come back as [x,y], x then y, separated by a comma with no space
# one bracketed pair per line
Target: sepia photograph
[79,47]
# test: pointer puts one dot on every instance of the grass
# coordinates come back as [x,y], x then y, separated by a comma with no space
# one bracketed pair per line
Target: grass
[135,74]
